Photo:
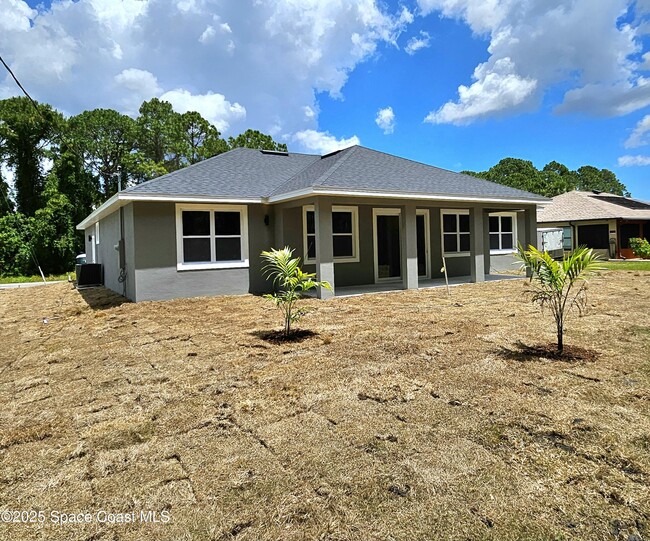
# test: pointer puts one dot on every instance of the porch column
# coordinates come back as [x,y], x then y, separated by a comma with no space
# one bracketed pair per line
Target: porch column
[476,245]
[530,235]
[409,242]
[324,245]
[530,220]
[278,228]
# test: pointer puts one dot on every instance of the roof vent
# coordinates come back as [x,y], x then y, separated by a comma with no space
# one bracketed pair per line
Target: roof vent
[275,152]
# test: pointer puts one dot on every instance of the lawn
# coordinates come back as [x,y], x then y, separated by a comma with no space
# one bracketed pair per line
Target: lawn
[405,416]
[636,265]
[36,278]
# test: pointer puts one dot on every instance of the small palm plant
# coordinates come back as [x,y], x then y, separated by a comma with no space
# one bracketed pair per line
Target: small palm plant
[559,285]
[291,282]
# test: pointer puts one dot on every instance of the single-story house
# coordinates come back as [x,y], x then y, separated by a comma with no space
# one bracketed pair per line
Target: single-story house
[356,217]
[599,220]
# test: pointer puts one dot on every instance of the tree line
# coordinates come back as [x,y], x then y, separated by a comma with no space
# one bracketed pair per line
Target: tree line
[63,168]
[553,179]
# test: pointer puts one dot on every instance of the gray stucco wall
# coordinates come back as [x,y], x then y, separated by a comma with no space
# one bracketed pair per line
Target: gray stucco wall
[129,250]
[260,237]
[109,234]
[150,249]
[108,256]
[156,275]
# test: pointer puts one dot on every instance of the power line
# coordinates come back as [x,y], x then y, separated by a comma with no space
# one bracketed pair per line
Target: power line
[5,198]
[19,85]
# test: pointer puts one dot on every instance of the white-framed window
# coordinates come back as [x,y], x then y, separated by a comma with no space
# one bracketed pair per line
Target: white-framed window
[345,233]
[211,236]
[503,232]
[455,232]
[96,232]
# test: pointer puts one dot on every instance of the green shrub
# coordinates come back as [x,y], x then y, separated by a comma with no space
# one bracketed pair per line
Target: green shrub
[284,270]
[641,248]
[559,285]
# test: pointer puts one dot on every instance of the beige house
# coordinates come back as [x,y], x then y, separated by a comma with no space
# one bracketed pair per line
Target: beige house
[602,221]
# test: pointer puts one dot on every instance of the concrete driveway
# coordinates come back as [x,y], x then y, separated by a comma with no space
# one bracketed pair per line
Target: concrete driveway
[28,284]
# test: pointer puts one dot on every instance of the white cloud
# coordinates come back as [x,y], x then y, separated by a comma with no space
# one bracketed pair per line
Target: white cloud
[349,30]
[214,107]
[270,57]
[422,41]
[385,119]
[607,100]
[310,113]
[548,43]
[496,89]
[632,161]
[208,34]
[637,137]
[136,86]
[645,64]
[481,15]
[15,15]
[322,142]
[139,81]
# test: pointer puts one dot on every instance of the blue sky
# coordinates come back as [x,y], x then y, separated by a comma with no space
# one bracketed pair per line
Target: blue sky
[543,80]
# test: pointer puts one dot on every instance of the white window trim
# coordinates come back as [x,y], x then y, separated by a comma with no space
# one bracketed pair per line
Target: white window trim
[500,251]
[97,233]
[427,242]
[453,212]
[355,233]
[243,217]
[570,237]
[384,212]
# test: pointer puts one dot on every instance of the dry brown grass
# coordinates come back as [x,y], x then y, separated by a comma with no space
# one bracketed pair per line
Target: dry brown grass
[408,416]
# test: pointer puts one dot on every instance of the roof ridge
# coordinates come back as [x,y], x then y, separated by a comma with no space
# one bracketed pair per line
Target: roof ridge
[328,173]
[280,188]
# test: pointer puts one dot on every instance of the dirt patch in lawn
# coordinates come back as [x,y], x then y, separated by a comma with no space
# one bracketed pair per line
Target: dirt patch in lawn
[540,352]
[404,416]
[280,337]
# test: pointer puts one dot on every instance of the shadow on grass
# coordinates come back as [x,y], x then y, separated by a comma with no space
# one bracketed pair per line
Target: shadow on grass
[278,337]
[524,353]
[101,298]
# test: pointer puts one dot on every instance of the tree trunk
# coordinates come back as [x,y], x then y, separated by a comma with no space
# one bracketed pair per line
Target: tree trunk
[560,337]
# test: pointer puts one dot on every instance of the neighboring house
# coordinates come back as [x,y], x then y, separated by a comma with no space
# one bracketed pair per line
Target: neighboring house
[599,220]
[356,217]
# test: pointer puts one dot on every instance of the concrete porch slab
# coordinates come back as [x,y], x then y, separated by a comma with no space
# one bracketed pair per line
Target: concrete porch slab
[350,291]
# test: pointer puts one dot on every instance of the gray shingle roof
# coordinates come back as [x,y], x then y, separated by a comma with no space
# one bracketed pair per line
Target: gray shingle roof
[239,173]
[576,206]
[362,169]
[246,173]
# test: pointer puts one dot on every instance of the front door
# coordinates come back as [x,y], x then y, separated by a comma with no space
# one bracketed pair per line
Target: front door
[388,259]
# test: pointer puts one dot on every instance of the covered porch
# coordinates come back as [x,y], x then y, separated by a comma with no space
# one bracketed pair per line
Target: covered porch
[365,245]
